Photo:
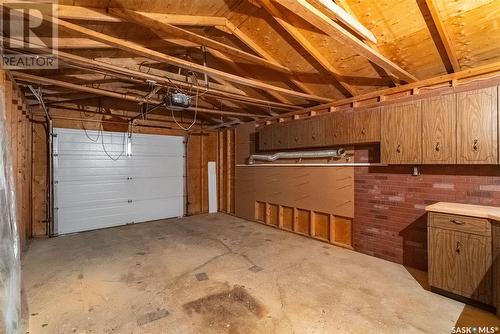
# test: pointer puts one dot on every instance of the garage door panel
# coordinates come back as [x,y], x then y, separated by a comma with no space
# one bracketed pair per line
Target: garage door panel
[83,193]
[91,174]
[94,191]
[95,217]
[157,209]
[170,146]
[156,187]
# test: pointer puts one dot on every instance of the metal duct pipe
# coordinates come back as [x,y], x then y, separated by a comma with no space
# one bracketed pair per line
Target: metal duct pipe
[339,153]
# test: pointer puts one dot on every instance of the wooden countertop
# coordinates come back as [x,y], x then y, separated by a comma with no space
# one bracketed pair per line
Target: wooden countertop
[480,211]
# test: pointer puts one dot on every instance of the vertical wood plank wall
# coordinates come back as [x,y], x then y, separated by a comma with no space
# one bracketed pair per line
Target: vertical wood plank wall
[201,148]
[226,170]
[19,135]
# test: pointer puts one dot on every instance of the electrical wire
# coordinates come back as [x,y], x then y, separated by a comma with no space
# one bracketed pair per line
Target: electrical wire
[104,147]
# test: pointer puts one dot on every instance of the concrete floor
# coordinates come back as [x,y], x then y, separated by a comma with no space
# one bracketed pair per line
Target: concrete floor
[220,274]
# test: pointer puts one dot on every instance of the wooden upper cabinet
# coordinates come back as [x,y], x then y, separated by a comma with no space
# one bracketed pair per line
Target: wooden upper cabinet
[280,136]
[338,127]
[265,135]
[477,126]
[317,131]
[307,133]
[366,126]
[401,134]
[439,122]
[297,135]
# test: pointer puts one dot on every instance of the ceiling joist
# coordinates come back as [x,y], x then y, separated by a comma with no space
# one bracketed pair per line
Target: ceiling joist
[158,56]
[23,77]
[166,30]
[440,35]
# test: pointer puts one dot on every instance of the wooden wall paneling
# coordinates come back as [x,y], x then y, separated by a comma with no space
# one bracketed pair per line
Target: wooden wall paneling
[439,130]
[39,180]
[331,221]
[303,221]
[343,230]
[321,226]
[194,174]
[260,212]
[273,218]
[366,126]
[17,124]
[402,133]
[477,122]
[202,148]
[221,171]
[288,217]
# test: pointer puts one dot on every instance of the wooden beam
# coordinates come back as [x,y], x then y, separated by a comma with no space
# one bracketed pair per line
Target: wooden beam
[311,14]
[440,35]
[101,15]
[158,56]
[263,53]
[243,73]
[306,44]
[331,7]
[132,98]
[163,29]
[84,13]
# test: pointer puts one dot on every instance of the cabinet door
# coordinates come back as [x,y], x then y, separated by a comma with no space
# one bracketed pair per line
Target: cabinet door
[461,263]
[366,126]
[337,127]
[265,138]
[280,136]
[475,266]
[298,136]
[401,134]
[477,126]
[439,121]
[444,270]
[317,131]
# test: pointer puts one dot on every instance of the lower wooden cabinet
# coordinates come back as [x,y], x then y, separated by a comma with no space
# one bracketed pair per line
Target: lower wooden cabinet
[496,263]
[401,140]
[460,256]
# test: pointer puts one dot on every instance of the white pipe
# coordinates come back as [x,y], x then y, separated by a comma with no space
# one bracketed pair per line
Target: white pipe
[339,153]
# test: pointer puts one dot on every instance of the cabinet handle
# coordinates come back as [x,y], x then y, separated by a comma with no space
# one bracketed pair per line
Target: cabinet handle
[437,147]
[457,222]
[296,139]
[458,247]
[363,131]
[398,149]
[313,137]
[475,144]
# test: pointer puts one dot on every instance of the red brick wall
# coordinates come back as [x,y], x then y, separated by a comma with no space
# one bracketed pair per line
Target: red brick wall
[390,220]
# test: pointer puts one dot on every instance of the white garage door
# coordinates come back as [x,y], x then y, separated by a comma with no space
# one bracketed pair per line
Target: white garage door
[98,185]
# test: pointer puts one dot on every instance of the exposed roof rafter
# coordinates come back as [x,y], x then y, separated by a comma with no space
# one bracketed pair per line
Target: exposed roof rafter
[314,16]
